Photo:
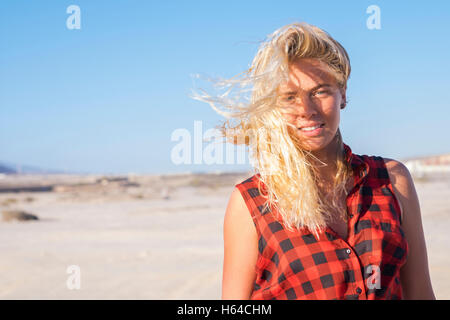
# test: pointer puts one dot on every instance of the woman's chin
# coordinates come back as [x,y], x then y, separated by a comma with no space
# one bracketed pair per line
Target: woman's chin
[313,144]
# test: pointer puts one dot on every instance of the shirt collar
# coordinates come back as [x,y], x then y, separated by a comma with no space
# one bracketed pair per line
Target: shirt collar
[359,166]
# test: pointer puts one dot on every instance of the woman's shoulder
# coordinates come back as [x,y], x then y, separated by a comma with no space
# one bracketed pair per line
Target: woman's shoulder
[240,207]
[249,180]
[253,192]
[394,167]
[401,181]
[393,170]
[399,175]
[244,185]
[398,172]
[250,184]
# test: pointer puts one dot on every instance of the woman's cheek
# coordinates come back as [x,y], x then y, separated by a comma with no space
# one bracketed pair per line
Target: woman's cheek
[331,112]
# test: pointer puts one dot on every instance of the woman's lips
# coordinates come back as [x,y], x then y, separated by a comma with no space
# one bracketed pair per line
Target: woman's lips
[312,133]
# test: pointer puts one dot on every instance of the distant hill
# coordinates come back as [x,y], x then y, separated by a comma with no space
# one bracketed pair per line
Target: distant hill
[6,169]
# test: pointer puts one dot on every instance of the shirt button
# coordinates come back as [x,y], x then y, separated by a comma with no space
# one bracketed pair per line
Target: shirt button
[348,251]
[358,290]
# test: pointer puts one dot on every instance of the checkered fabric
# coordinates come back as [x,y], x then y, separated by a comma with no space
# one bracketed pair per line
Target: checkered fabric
[298,265]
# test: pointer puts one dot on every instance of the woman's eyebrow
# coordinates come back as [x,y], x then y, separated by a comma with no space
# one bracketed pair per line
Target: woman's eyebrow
[321,85]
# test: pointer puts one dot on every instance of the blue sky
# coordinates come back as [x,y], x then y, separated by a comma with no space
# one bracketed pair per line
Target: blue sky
[106,98]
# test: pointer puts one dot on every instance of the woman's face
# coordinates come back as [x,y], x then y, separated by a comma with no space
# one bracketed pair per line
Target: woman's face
[311,102]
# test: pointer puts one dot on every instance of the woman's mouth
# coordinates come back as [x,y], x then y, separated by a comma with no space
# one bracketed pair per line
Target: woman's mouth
[312,131]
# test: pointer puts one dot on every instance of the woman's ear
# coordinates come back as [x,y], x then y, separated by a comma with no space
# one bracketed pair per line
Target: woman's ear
[343,92]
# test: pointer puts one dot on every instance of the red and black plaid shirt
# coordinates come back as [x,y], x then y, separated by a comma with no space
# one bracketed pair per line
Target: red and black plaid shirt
[298,265]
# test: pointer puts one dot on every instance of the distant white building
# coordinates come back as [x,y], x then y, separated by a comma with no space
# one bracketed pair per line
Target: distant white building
[429,166]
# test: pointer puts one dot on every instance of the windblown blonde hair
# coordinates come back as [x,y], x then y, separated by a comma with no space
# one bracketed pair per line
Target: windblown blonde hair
[285,168]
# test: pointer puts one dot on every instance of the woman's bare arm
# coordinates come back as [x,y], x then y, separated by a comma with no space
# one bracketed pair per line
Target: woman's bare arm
[240,250]
[414,275]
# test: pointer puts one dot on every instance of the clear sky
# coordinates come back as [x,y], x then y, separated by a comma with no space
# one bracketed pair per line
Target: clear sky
[107,97]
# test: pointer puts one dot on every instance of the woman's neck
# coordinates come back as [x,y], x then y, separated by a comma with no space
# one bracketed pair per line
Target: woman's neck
[325,163]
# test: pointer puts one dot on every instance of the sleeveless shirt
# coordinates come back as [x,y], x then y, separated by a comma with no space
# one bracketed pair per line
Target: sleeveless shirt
[299,265]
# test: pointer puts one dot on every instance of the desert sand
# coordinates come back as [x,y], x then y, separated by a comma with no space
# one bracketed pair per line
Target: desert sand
[145,237]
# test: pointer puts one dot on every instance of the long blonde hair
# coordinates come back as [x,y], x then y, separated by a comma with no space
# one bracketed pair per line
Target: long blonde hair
[291,182]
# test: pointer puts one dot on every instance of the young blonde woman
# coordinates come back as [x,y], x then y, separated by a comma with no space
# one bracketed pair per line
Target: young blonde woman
[316,221]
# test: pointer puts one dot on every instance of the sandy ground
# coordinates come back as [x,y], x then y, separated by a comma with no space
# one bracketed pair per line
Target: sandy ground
[131,243]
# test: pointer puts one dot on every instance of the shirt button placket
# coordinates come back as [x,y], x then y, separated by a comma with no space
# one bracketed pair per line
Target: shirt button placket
[357,286]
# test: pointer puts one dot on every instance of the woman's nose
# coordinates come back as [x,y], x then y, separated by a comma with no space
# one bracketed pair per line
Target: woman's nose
[305,107]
